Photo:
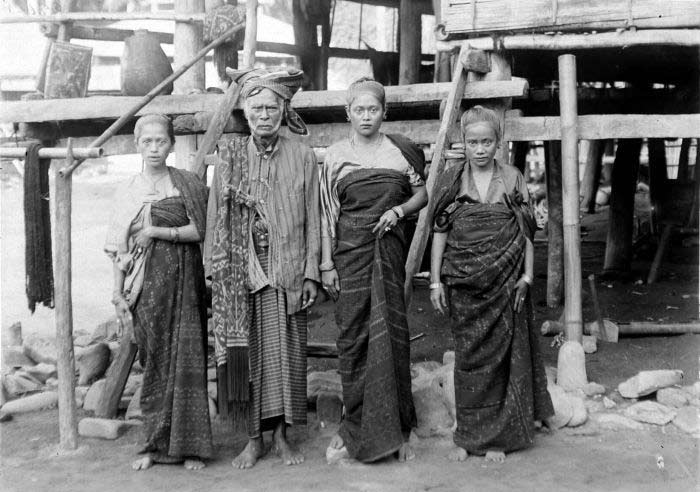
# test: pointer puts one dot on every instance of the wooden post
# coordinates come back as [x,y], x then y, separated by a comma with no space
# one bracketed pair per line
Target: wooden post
[618,247]
[520,151]
[573,313]
[67,427]
[591,176]
[683,161]
[658,177]
[555,230]
[410,42]
[187,42]
[305,39]
[251,33]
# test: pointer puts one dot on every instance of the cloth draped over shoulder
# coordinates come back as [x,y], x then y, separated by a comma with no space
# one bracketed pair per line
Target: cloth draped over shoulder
[132,212]
[500,385]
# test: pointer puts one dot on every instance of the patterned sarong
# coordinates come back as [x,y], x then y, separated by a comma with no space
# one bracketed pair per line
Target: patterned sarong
[500,384]
[170,328]
[373,343]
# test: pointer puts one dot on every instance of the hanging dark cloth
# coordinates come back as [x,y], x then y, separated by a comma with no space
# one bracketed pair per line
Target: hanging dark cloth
[37,230]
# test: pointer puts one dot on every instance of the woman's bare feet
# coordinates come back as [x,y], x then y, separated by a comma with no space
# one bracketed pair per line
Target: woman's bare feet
[253,451]
[457,454]
[336,450]
[194,464]
[495,456]
[281,447]
[336,442]
[143,463]
[405,453]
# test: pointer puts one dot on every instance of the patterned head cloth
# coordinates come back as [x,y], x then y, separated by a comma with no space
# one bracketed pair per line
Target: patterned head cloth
[366,86]
[283,82]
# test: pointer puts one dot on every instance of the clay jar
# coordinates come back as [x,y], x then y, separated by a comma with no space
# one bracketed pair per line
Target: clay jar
[144,65]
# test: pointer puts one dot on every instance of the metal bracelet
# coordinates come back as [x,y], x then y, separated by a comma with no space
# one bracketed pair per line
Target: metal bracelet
[527,279]
[436,285]
[327,266]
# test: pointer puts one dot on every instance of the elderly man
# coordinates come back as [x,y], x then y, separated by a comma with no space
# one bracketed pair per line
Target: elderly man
[263,248]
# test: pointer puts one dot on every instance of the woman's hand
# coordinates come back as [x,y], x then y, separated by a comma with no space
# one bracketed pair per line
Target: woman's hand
[521,288]
[125,321]
[144,237]
[439,299]
[309,291]
[386,222]
[331,283]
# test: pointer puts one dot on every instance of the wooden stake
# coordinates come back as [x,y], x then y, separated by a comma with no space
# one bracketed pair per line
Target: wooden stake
[618,246]
[555,230]
[434,186]
[573,313]
[658,177]
[410,42]
[660,251]
[591,176]
[251,33]
[67,425]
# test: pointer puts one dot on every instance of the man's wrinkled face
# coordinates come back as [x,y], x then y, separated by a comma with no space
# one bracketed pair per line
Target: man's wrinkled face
[264,113]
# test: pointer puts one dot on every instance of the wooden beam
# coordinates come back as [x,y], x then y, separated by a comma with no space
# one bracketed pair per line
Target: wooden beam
[623,39]
[113,106]
[573,311]
[97,33]
[101,16]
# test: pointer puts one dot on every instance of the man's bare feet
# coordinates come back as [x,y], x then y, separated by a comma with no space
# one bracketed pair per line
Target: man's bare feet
[281,447]
[548,425]
[194,464]
[143,463]
[253,451]
[405,453]
[457,454]
[495,456]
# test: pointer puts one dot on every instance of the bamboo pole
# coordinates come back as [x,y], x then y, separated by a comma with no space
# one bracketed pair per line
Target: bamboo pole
[251,33]
[114,127]
[573,313]
[67,426]
[52,153]
[96,16]
[623,39]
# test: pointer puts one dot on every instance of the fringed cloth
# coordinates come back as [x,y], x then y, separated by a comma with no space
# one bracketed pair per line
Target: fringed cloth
[37,230]
[171,330]
[229,271]
[373,344]
[500,383]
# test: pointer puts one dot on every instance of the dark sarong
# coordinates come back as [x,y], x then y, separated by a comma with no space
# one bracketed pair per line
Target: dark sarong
[373,343]
[170,327]
[500,384]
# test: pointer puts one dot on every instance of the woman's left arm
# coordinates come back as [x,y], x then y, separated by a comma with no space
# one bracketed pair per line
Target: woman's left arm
[182,234]
[418,200]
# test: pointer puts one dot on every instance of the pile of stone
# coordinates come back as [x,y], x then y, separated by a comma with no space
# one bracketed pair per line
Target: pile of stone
[29,377]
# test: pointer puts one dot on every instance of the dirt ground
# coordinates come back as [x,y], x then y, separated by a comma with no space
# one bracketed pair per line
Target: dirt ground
[584,459]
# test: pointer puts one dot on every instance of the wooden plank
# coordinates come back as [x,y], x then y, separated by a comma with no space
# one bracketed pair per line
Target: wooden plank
[100,16]
[486,16]
[113,106]
[115,380]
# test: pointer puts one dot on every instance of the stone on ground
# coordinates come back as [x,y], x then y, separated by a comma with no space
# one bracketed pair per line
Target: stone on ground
[32,403]
[101,428]
[571,366]
[12,335]
[106,330]
[647,382]
[608,403]
[41,371]
[614,421]
[563,409]
[672,397]
[579,411]
[592,389]
[133,383]
[40,349]
[20,383]
[590,344]
[329,408]
[82,340]
[432,414]
[134,410]
[688,420]
[93,363]
[448,357]
[80,392]
[92,398]
[650,412]
[323,381]
[13,357]
[5,417]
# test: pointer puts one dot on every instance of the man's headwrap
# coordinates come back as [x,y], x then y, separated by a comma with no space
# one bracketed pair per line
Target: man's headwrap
[283,82]
[366,86]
